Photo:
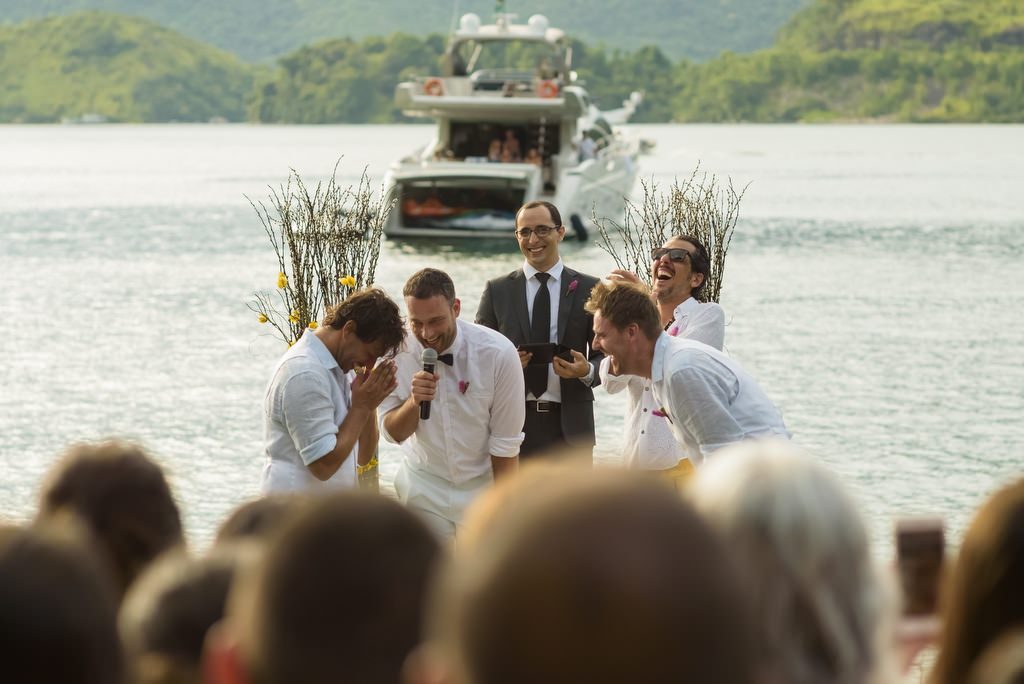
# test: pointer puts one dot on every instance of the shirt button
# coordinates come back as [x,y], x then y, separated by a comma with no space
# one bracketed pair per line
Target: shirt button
[645,410]
[642,431]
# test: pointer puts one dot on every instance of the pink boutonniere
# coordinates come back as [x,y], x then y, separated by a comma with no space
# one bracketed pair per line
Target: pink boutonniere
[661,414]
[463,386]
[674,330]
[572,287]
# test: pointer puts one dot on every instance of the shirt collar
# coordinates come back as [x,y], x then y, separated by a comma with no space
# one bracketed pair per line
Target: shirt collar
[658,362]
[318,349]
[555,271]
[686,308]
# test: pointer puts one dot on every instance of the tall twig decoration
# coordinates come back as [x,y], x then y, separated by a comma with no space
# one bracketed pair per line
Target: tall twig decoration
[697,206]
[327,244]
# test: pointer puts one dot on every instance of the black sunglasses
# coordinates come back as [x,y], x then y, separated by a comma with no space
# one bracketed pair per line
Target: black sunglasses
[677,254]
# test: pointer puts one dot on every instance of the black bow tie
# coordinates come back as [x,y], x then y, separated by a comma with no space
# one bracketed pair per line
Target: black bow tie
[447,358]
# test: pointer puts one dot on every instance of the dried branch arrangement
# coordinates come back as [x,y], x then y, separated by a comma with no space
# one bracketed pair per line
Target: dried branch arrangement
[698,206]
[327,243]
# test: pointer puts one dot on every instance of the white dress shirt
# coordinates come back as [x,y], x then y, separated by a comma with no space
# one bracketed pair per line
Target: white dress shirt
[650,444]
[306,401]
[477,412]
[708,399]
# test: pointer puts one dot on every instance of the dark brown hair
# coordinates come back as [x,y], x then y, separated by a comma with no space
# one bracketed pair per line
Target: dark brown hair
[556,217]
[699,260]
[339,594]
[430,282]
[376,317]
[983,596]
[623,303]
[123,498]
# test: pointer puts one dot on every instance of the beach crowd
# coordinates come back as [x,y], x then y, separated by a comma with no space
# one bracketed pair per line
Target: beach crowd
[719,552]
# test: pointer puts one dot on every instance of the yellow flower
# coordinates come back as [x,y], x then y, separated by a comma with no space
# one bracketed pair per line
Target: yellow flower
[262,318]
[282,281]
[347,281]
[313,325]
[294,317]
[291,342]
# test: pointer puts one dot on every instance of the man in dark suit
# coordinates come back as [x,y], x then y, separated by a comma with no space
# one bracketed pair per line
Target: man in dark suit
[559,398]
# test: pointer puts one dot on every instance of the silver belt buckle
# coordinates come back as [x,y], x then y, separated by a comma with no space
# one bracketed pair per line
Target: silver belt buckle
[543,407]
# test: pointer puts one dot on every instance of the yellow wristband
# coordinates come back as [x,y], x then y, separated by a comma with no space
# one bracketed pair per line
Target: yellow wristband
[360,469]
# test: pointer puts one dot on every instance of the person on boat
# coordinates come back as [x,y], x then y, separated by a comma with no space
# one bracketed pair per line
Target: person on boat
[679,270]
[541,303]
[587,148]
[533,157]
[495,150]
[510,147]
[317,413]
[459,425]
[708,400]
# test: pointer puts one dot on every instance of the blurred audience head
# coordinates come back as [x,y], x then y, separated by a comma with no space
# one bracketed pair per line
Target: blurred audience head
[984,594]
[337,596]
[167,612]
[823,610]
[598,578]
[58,610]
[122,497]
[257,519]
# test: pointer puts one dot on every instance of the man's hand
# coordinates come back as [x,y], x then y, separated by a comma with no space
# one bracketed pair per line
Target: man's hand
[623,275]
[524,358]
[372,386]
[424,387]
[579,367]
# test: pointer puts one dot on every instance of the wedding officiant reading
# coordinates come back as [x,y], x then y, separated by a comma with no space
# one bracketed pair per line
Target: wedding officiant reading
[474,428]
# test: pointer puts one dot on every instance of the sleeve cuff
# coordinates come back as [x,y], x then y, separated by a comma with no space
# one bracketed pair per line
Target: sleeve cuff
[318,449]
[505,447]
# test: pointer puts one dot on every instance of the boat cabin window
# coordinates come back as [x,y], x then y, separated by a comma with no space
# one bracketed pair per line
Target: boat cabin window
[499,142]
[460,203]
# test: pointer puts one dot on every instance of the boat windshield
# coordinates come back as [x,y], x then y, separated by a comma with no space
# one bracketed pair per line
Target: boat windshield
[527,59]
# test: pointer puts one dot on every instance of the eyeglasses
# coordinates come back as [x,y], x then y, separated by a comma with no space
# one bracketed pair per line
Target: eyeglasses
[539,231]
[678,254]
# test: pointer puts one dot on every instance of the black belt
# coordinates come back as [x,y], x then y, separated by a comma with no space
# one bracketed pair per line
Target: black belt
[544,406]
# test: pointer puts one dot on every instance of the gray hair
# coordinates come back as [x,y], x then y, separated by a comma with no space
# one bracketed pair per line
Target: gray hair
[822,606]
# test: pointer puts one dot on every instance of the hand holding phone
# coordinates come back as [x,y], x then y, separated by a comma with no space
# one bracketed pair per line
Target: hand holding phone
[920,557]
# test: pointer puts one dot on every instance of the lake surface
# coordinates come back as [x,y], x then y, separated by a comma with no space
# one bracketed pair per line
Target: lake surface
[874,286]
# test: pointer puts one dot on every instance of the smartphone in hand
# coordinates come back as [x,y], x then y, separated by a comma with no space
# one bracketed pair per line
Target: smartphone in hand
[920,558]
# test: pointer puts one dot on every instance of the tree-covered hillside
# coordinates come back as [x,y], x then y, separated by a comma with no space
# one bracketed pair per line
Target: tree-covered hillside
[122,68]
[261,31]
[893,60]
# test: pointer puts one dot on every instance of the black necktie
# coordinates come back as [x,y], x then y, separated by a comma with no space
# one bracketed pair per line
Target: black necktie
[447,358]
[540,331]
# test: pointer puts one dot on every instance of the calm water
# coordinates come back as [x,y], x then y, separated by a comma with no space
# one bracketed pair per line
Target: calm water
[874,287]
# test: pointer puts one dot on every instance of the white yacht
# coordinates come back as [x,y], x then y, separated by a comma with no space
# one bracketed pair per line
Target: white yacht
[513,125]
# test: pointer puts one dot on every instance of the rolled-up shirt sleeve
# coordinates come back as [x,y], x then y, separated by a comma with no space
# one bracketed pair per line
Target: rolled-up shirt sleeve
[508,410]
[397,397]
[700,400]
[308,413]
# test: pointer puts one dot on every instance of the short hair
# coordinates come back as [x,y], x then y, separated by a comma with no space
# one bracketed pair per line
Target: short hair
[338,595]
[612,578]
[430,282]
[982,597]
[821,605]
[700,261]
[258,518]
[556,217]
[168,611]
[58,610]
[622,304]
[376,317]
[123,498]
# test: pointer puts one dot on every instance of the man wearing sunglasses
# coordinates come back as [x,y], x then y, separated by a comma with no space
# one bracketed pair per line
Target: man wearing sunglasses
[539,304]
[679,270]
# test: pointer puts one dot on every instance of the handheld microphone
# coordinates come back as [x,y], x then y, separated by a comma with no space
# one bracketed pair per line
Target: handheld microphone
[429,359]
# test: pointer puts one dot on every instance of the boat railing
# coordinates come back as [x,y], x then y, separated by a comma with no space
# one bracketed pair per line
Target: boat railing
[490,83]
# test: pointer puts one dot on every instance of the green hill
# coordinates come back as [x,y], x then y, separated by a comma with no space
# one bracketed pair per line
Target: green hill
[890,60]
[261,31]
[122,68]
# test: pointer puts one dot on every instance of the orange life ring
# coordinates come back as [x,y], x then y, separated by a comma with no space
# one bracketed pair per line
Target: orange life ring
[547,89]
[434,86]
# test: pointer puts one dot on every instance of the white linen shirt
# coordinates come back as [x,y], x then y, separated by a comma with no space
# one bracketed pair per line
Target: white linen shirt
[306,401]
[477,411]
[650,444]
[708,399]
